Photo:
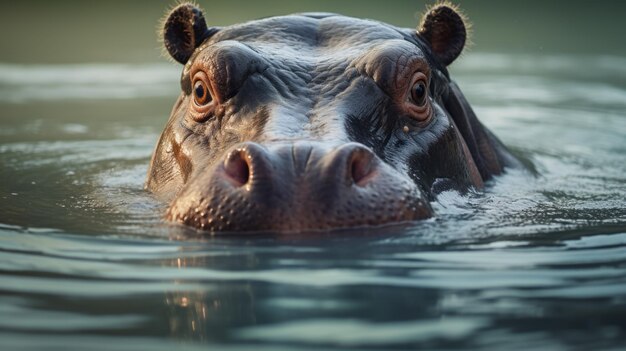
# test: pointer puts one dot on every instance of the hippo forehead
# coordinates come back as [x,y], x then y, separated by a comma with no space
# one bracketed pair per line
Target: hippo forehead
[309,42]
[310,33]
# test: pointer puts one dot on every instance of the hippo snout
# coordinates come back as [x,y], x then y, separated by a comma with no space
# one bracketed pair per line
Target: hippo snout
[295,187]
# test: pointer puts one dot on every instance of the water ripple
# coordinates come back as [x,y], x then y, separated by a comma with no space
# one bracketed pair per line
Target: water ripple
[29,83]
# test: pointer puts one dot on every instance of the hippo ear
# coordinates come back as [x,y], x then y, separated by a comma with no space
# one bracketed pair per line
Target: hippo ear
[184,29]
[443,27]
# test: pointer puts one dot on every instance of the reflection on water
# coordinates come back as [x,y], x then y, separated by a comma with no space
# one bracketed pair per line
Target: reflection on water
[343,292]
[537,261]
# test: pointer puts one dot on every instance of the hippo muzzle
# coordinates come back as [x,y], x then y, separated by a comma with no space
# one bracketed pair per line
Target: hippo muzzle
[297,186]
[316,122]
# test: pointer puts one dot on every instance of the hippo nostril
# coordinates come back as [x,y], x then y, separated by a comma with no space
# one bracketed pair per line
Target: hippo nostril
[236,168]
[361,166]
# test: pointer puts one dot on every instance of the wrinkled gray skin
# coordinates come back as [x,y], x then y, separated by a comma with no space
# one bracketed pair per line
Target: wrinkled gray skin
[315,121]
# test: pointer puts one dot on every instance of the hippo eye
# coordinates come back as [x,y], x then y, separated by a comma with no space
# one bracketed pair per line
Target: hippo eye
[201,93]
[418,93]
[202,105]
[415,101]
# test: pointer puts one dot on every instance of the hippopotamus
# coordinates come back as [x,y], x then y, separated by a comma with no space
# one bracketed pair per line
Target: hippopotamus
[317,121]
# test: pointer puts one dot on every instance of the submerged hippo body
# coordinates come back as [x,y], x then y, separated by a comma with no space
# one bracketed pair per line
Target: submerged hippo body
[316,121]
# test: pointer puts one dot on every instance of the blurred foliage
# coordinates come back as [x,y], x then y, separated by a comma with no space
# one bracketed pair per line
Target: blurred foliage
[36,31]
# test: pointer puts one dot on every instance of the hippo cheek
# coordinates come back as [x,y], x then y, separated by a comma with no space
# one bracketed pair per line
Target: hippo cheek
[298,188]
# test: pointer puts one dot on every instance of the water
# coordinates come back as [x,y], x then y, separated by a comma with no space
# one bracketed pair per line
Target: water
[537,261]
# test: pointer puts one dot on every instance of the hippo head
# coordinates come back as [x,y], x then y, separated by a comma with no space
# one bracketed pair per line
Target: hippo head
[316,121]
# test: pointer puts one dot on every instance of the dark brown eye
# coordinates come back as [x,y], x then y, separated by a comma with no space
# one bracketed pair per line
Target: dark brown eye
[415,100]
[419,93]
[201,93]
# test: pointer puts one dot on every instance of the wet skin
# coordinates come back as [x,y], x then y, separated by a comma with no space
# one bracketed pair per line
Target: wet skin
[315,122]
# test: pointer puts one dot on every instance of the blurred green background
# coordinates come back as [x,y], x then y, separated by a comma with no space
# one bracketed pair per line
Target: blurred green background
[34,31]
